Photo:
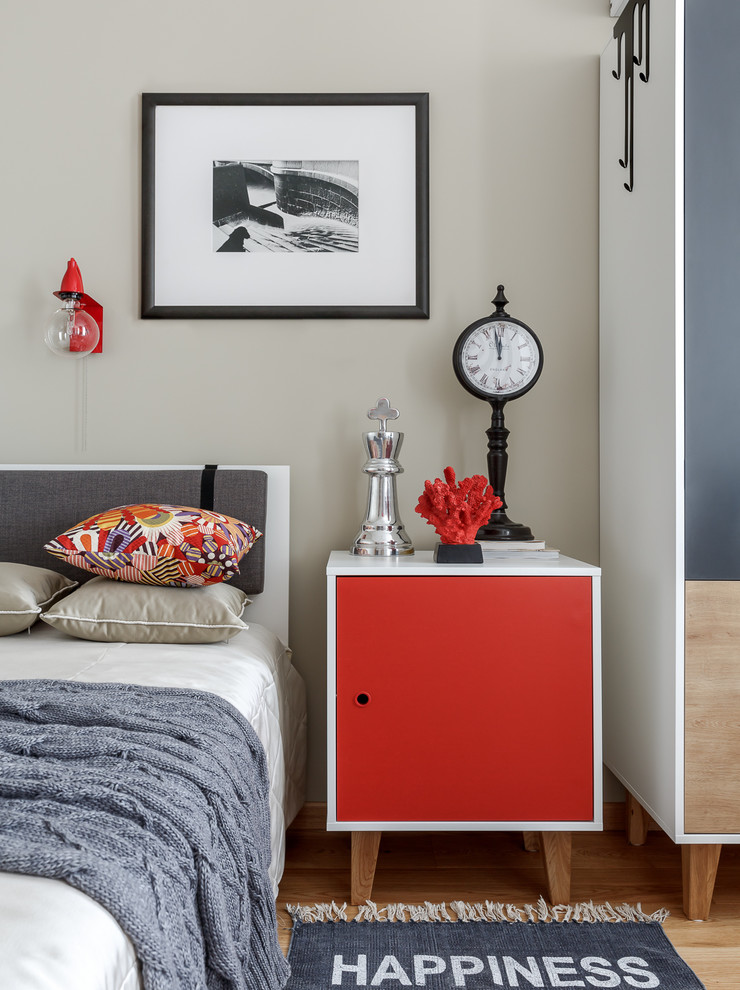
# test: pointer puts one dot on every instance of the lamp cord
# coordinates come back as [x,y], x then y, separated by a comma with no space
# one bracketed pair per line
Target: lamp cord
[83,407]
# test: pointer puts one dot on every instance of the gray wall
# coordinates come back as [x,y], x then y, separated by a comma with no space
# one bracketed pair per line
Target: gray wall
[514,131]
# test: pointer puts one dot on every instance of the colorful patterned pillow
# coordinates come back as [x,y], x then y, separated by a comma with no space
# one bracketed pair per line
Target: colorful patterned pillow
[168,545]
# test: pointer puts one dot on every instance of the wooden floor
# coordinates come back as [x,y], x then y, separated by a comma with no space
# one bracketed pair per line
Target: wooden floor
[414,868]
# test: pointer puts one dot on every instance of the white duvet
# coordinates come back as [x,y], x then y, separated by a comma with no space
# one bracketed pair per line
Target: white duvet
[53,937]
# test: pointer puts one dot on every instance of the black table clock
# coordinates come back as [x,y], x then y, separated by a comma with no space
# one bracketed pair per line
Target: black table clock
[498,359]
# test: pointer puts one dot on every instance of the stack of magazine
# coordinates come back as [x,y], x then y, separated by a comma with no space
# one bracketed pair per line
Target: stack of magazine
[517,550]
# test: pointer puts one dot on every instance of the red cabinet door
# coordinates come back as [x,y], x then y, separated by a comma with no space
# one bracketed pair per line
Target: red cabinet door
[464,699]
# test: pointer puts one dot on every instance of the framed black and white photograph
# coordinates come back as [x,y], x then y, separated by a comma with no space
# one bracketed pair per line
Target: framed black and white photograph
[285,205]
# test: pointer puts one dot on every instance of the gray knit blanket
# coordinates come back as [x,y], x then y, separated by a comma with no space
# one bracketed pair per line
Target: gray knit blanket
[154,802]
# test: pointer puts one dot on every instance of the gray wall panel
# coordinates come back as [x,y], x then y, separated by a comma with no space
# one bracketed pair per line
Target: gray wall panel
[712,349]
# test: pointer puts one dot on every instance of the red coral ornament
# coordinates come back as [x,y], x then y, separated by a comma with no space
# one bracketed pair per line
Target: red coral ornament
[457,510]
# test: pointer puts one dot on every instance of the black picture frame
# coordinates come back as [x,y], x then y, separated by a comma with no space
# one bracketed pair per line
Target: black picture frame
[181,275]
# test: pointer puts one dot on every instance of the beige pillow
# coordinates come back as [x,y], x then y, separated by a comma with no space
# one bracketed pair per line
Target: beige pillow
[116,612]
[25,591]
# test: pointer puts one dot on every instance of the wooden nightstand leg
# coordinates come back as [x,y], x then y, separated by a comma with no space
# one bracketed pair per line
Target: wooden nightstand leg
[636,821]
[699,868]
[556,848]
[365,847]
[531,841]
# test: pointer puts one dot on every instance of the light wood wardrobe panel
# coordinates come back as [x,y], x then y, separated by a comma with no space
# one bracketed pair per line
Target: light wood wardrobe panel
[712,740]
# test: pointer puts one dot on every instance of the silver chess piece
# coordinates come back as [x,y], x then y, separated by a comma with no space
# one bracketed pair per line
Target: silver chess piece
[382,532]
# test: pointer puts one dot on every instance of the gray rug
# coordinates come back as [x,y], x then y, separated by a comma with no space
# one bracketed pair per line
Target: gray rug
[483,947]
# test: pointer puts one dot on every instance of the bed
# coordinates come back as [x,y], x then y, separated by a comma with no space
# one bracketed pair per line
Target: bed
[52,935]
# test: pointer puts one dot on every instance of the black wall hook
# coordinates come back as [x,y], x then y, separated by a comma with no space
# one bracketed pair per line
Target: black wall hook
[632,32]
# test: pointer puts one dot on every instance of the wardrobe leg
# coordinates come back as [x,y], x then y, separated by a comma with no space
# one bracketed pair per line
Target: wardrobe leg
[699,868]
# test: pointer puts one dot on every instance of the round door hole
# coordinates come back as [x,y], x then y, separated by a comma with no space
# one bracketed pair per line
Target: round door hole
[362,699]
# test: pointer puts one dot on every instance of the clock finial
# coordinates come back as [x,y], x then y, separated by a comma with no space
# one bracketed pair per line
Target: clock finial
[500,301]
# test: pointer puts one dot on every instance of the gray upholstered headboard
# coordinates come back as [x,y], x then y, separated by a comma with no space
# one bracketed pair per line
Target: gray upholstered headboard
[37,505]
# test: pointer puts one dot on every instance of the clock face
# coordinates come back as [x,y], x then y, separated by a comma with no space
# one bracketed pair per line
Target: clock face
[497,358]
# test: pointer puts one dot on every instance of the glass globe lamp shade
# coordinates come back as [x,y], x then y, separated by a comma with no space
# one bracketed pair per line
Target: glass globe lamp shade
[72,331]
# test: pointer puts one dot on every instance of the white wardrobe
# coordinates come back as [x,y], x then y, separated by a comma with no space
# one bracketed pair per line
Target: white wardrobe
[670,426]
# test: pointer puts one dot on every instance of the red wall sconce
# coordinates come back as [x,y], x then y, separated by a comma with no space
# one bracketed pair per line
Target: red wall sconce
[77,328]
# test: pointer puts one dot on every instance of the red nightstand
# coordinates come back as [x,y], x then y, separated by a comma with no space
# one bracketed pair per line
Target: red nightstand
[463,697]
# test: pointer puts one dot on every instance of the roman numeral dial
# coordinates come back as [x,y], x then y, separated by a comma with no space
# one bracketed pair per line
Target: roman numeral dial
[497,358]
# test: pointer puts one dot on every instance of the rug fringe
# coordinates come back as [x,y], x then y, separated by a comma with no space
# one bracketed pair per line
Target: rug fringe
[317,912]
[464,911]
